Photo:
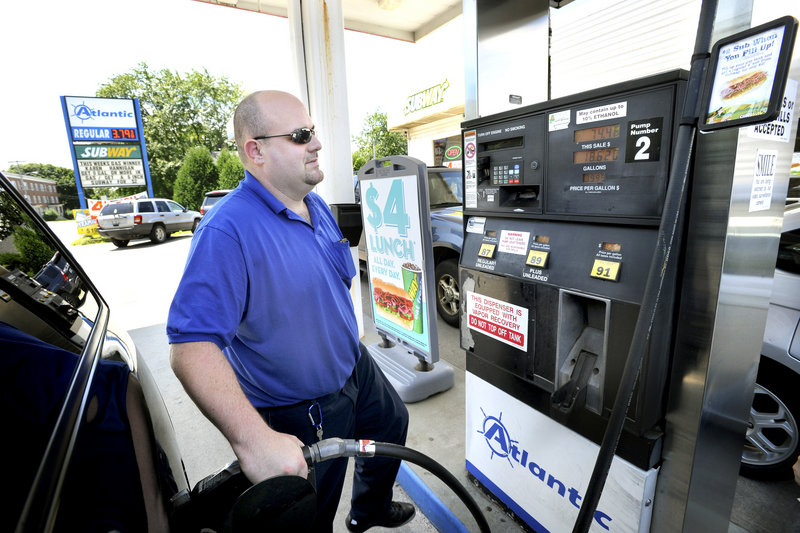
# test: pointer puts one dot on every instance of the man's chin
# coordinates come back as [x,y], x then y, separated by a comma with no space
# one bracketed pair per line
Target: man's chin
[314,178]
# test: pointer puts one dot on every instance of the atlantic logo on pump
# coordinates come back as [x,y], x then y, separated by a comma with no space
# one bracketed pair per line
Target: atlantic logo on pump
[509,450]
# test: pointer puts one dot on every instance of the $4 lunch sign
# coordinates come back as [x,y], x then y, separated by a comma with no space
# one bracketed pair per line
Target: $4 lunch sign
[396,225]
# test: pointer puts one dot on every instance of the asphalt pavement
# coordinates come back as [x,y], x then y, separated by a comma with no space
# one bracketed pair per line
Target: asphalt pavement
[138,282]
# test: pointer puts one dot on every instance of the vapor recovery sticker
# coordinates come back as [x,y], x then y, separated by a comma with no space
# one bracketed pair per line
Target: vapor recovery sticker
[503,321]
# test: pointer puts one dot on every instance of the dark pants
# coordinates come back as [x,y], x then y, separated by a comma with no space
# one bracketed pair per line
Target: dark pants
[367,407]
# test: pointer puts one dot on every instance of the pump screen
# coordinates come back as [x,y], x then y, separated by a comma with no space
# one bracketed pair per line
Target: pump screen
[514,142]
[611,247]
[542,239]
[594,177]
[593,156]
[611,131]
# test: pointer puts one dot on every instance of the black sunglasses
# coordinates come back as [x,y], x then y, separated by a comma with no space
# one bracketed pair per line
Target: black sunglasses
[299,136]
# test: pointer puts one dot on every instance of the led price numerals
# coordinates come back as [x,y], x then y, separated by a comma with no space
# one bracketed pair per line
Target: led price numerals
[605,269]
[394,211]
[537,258]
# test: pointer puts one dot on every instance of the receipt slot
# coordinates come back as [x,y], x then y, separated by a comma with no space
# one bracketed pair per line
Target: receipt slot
[562,206]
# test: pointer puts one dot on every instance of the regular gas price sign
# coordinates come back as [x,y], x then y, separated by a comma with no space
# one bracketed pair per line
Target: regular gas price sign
[397,233]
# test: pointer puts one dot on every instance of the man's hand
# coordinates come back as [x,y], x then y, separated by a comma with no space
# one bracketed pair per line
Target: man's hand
[209,380]
[271,454]
[796,470]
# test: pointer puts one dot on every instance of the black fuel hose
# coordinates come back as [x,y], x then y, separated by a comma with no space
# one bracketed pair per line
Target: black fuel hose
[334,448]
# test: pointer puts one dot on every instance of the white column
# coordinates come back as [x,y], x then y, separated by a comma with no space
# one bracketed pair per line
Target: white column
[317,32]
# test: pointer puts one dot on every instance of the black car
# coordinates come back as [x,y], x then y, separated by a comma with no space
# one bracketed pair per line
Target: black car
[89,445]
[59,277]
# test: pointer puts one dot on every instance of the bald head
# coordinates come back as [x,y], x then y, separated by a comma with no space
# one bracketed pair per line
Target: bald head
[260,113]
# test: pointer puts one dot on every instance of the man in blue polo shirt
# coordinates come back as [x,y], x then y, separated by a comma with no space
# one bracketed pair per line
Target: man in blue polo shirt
[262,328]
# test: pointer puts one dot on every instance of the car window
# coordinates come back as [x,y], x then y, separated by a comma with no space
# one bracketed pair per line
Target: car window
[444,187]
[211,200]
[146,207]
[121,208]
[162,206]
[789,252]
[45,322]
[176,207]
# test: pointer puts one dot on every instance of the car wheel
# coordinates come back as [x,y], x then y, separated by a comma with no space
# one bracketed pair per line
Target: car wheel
[119,243]
[194,225]
[772,442]
[447,295]
[158,234]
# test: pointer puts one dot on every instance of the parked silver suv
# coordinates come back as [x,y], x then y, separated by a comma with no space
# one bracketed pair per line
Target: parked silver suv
[155,218]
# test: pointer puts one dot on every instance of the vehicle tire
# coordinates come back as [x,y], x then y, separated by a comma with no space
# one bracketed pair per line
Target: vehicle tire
[448,299]
[194,225]
[120,243]
[772,442]
[158,234]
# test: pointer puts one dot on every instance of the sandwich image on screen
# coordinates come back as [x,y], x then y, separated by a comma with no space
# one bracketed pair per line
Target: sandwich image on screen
[743,84]
[393,303]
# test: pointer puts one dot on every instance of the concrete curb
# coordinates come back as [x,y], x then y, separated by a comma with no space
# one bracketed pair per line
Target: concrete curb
[428,503]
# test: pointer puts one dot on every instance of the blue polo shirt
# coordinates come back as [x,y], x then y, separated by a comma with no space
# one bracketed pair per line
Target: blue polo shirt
[272,291]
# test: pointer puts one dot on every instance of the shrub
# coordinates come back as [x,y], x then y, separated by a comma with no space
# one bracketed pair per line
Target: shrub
[33,248]
[231,170]
[197,175]
[50,215]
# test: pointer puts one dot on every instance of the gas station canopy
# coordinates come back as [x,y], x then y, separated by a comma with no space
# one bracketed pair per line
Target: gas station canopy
[408,20]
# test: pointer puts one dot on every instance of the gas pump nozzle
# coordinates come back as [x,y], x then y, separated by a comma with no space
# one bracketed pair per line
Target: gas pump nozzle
[573,392]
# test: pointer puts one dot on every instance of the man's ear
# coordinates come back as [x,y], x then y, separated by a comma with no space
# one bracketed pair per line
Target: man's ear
[252,149]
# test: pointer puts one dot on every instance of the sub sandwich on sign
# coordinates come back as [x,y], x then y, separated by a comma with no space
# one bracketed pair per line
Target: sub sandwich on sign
[742,84]
[393,303]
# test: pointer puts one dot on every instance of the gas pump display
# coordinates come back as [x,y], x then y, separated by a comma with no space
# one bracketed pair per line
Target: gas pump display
[562,206]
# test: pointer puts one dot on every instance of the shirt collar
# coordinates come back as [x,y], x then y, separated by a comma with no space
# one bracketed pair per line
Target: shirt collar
[250,182]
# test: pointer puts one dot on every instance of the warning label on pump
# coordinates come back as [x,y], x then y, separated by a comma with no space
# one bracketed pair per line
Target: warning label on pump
[606,112]
[501,320]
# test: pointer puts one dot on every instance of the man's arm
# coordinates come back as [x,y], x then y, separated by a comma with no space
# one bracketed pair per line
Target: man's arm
[210,381]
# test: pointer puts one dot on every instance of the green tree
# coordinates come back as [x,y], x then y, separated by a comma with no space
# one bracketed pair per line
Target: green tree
[197,174]
[230,168]
[375,140]
[179,112]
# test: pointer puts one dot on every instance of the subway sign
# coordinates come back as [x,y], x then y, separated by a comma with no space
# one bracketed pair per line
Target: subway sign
[107,144]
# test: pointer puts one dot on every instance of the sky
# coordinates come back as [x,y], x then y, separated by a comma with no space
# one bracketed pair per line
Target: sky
[54,48]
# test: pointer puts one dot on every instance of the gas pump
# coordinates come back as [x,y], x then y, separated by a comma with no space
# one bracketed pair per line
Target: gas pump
[562,207]
[563,218]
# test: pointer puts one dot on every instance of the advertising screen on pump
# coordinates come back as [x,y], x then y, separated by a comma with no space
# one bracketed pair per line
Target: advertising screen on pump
[393,233]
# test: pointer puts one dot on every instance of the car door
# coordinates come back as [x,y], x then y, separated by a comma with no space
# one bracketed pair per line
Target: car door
[89,444]
[183,219]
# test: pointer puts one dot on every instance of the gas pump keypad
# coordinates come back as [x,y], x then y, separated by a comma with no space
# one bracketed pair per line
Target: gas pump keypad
[506,174]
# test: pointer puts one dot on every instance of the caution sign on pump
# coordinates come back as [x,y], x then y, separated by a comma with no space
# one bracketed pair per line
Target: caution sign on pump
[396,217]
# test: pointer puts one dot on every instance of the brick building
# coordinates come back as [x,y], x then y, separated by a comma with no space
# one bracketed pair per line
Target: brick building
[41,193]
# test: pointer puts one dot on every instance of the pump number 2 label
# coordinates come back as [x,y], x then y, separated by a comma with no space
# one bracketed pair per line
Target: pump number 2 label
[605,269]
